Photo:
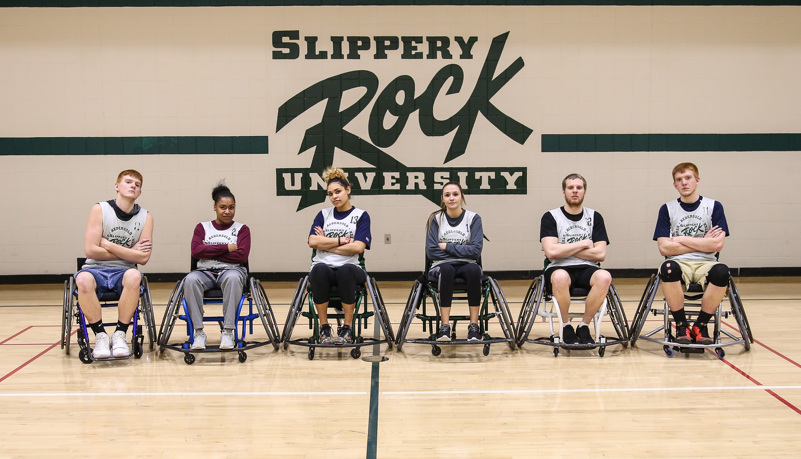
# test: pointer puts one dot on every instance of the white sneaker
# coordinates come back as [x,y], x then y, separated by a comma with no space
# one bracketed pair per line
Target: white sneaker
[227,339]
[199,340]
[119,347]
[102,349]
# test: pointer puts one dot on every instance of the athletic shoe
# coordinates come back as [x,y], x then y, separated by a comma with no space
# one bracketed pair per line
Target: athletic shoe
[701,334]
[683,334]
[102,349]
[473,333]
[584,336]
[199,340]
[325,335]
[569,335]
[444,333]
[344,335]
[119,347]
[227,339]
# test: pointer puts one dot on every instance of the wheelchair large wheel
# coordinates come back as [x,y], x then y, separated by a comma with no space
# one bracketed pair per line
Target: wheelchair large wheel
[146,304]
[381,311]
[739,315]
[503,313]
[412,303]
[646,301]
[67,314]
[295,308]
[170,315]
[265,312]
[529,309]
[617,315]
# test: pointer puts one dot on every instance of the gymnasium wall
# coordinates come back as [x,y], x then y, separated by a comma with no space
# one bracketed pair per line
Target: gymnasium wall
[506,99]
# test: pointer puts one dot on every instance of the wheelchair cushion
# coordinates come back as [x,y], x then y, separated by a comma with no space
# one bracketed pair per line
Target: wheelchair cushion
[108,296]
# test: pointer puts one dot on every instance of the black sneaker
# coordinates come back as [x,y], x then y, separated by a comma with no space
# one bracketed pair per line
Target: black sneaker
[584,336]
[683,334]
[444,333]
[701,334]
[569,335]
[473,333]
[325,335]
[344,335]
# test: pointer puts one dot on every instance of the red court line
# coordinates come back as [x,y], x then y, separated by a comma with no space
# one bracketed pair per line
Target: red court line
[16,334]
[30,360]
[766,347]
[774,394]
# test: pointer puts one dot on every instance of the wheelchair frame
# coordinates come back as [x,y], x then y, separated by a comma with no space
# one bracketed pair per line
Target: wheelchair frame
[253,293]
[303,296]
[423,290]
[669,345]
[537,296]
[71,310]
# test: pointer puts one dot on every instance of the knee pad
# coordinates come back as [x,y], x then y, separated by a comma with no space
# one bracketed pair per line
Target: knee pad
[670,271]
[718,275]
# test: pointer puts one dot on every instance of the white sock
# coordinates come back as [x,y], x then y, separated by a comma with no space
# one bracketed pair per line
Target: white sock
[582,324]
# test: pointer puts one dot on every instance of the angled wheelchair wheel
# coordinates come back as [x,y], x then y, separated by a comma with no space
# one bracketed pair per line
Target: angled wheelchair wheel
[265,311]
[739,315]
[381,311]
[530,309]
[295,308]
[412,304]
[170,315]
[618,315]
[67,314]
[146,305]
[646,301]
[503,313]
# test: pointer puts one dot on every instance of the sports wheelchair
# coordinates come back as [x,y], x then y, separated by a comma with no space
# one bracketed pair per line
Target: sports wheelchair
[252,294]
[425,291]
[71,312]
[367,290]
[536,303]
[693,294]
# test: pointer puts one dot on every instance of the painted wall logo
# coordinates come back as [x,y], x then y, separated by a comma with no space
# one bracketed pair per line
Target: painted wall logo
[388,175]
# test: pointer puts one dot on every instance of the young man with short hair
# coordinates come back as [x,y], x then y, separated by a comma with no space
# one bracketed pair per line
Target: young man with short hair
[690,232]
[119,236]
[574,240]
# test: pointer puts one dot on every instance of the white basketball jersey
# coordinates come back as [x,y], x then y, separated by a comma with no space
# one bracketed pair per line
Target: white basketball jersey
[570,231]
[213,236]
[694,224]
[338,228]
[120,232]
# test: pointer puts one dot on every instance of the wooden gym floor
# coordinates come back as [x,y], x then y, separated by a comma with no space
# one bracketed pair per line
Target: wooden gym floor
[633,402]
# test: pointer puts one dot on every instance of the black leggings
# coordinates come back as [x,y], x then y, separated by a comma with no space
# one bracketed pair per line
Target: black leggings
[445,273]
[346,278]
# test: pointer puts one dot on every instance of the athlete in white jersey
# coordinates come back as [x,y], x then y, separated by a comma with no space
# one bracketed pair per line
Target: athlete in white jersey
[454,240]
[690,232]
[221,248]
[119,236]
[339,236]
[574,241]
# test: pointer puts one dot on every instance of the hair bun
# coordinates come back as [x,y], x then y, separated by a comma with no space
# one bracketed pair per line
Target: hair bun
[333,173]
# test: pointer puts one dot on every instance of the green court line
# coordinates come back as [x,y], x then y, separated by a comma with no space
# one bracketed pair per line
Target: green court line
[598,143]
[174,145]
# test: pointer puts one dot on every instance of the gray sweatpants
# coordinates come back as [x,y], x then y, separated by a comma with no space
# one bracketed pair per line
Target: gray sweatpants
[230,281]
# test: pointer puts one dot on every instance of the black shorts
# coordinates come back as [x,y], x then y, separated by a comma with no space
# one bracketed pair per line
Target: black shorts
[579,275]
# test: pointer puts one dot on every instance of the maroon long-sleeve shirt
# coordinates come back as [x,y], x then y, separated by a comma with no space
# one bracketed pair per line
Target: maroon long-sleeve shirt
[220,252]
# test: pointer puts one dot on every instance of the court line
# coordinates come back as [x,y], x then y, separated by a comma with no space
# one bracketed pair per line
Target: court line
[16,334]
[169,394]
[594,390]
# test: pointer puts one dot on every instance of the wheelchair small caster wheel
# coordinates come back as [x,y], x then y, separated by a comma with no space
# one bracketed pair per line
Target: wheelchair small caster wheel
[720,353]
[556,352]
[669,351]
[355,353]
[436,350]
[243,356]
[286,345]
[138,350]
[189,358]
[84,356]
[311,354]
[486,350]
[601,351]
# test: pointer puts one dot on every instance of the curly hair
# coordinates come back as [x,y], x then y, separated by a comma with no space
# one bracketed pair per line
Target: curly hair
[335,174]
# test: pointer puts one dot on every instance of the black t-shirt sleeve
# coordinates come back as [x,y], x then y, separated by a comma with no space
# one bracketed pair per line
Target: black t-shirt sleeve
[599,229]
[548,226]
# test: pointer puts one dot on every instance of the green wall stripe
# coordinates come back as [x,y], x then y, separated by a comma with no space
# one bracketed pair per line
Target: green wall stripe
[37,146]
[200,3]
[566,143]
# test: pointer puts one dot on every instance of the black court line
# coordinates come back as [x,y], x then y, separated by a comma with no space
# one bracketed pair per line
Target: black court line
[372,420]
